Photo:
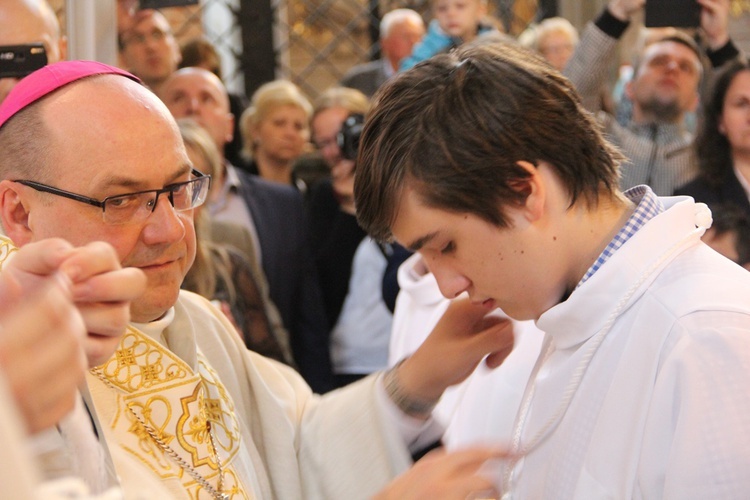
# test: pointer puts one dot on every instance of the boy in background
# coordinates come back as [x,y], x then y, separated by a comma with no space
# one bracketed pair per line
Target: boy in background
[455,22]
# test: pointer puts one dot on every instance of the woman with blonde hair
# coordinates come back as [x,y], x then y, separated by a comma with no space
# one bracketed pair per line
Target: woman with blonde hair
[276,132]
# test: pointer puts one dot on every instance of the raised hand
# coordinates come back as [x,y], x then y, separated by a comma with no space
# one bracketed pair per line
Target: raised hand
[715,22]
[41,340]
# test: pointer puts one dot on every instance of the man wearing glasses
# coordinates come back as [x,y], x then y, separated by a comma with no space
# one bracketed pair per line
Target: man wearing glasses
[148,48]
[182,397]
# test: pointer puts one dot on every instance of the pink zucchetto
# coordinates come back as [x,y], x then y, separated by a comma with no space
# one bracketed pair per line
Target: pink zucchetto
[48,79]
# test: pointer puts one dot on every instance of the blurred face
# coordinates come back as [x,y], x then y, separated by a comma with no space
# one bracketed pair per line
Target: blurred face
[123,141]
[666,84]
[459,18]
[496,266]
[325,127]
[735,117]
[20,26]
[150,51]
[556,47]
[282,134]
[401,39]
[199,94]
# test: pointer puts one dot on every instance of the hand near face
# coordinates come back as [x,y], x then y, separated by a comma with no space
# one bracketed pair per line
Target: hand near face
[715,22]
[102,290]
[42,336]
[442,475]
[342,176]
[459,341]
[100,287]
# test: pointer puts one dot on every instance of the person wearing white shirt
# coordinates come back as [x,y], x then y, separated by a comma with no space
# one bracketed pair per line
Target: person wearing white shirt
[486,163]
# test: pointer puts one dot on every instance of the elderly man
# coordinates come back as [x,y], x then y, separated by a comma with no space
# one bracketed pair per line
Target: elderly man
[663,89]
[275,218]
[182,394]
[148,48]
[30,21]
[400,30]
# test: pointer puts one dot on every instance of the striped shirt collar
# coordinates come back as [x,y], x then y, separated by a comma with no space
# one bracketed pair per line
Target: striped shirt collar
[647,207]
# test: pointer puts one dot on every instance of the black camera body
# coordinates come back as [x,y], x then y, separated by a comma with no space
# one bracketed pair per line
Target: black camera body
[673,13]
[162,4]
[348,136]
[17,61]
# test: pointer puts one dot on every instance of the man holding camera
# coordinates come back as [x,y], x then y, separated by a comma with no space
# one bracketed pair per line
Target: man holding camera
[664,88]
[31,33]
[349,263]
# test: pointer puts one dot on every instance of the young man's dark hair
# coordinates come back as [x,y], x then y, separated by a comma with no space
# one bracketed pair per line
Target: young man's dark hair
[466,144]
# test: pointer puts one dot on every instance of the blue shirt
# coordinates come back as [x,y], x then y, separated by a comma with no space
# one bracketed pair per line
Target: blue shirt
[647,207]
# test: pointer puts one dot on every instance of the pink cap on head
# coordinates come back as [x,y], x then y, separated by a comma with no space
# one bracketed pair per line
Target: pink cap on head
[50,78]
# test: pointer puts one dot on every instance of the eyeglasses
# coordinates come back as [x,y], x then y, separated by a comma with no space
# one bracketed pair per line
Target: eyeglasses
[136,207]
[155,35]
[663,61]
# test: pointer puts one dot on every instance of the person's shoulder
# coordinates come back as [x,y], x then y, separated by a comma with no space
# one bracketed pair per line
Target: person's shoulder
[363,69]
[700,190]
[701,279]
[227,354]
[263,186]
[322,195]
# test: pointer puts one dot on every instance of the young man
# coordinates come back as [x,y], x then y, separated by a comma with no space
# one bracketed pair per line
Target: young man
[486,163]
[182,396]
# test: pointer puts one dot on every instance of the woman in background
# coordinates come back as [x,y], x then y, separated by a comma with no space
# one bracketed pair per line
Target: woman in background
[723,142]
[276,132]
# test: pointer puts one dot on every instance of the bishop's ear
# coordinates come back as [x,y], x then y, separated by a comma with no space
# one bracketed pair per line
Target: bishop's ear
[14,212]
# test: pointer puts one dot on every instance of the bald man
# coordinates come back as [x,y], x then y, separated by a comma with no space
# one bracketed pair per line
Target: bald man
[30,21]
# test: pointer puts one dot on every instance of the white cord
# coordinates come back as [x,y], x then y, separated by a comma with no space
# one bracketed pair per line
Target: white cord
[594,343]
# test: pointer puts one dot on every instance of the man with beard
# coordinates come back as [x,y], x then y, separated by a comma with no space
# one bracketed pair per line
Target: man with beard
[664,88]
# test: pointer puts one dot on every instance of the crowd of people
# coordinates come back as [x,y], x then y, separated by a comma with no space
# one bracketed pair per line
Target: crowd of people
[330,289]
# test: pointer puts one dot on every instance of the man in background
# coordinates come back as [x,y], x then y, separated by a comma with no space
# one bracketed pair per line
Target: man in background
[148,48]
[400,30]
[30,21]
[664,88]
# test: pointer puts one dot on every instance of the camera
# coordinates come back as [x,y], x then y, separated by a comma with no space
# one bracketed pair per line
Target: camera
[161,4]
[674,13]
[17,61]
[348,136]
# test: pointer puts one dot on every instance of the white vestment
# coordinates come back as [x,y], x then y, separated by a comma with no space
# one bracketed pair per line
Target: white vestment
[661,411]
[274,437]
